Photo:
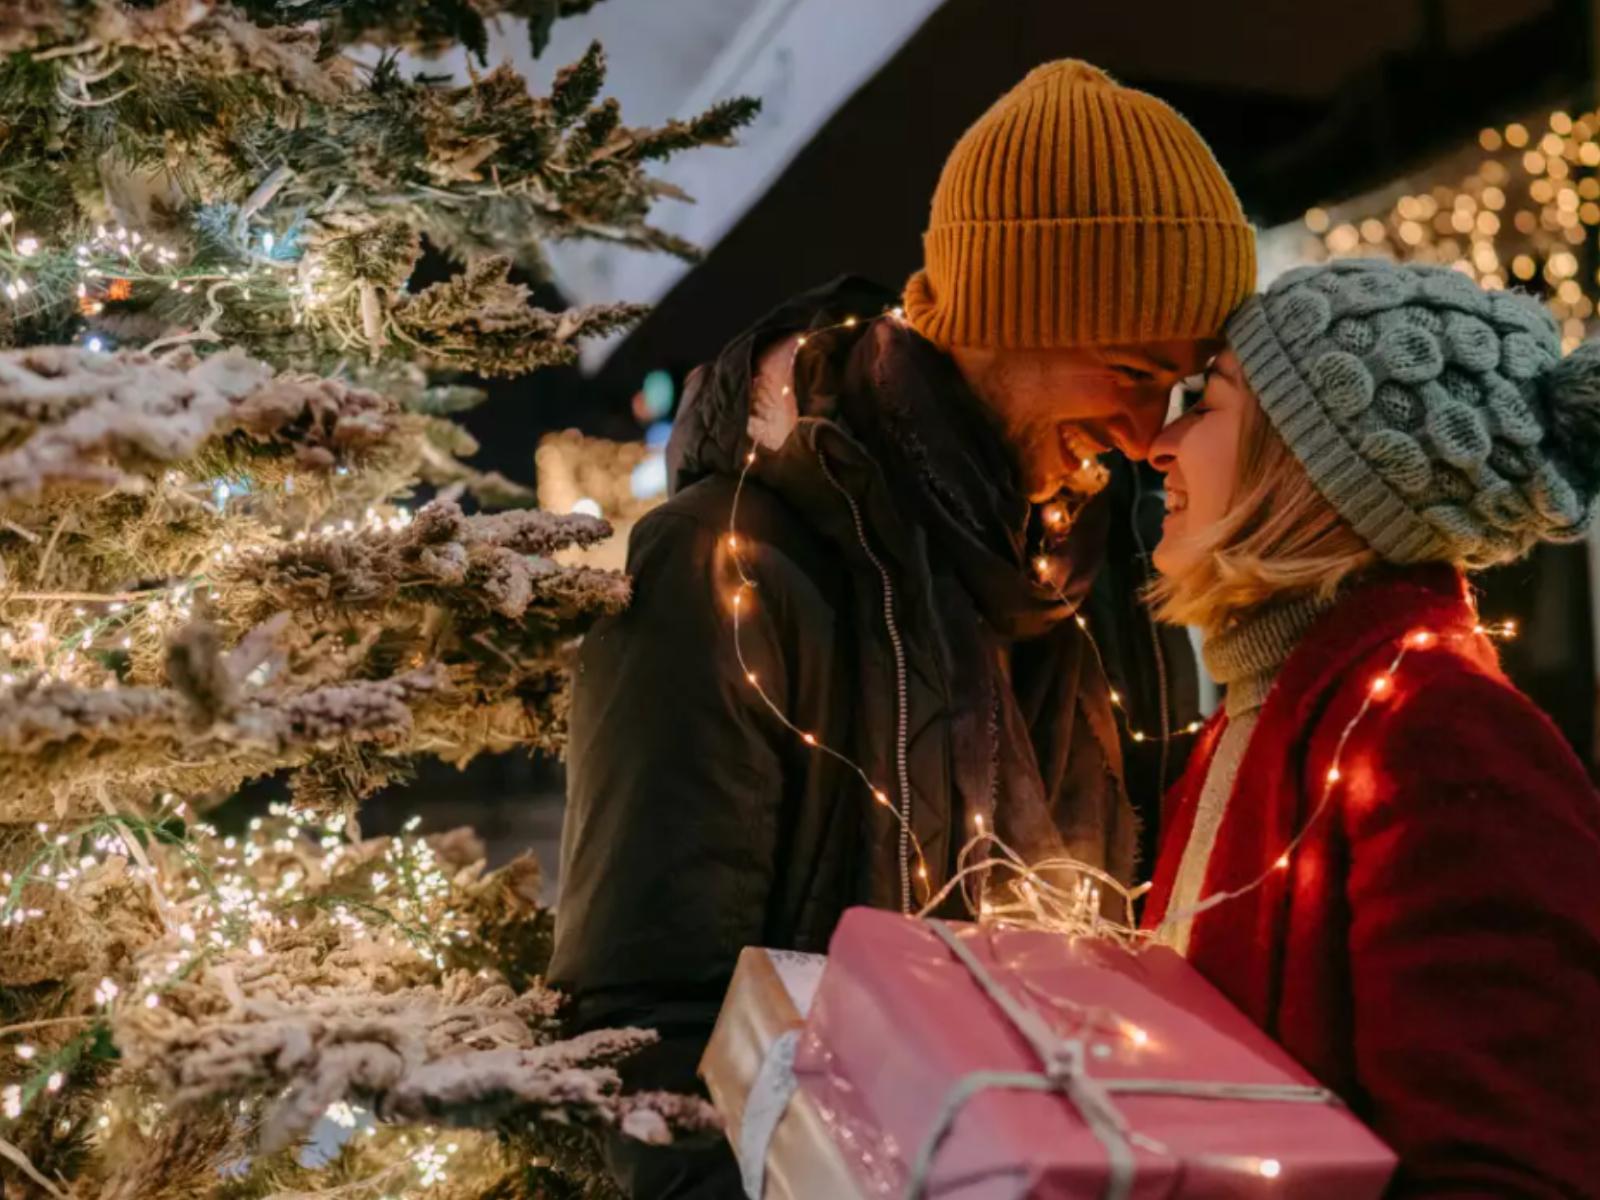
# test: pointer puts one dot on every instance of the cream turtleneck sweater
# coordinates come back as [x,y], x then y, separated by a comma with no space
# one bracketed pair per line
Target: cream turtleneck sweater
[1245,659]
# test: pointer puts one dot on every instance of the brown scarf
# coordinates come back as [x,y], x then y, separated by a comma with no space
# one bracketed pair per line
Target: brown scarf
[1036,740]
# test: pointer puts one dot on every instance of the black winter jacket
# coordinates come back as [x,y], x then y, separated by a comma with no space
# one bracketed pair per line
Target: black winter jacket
[893,617]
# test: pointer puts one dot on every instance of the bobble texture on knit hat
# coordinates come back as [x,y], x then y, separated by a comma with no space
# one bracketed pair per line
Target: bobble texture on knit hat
[1077,212]
[1439,419]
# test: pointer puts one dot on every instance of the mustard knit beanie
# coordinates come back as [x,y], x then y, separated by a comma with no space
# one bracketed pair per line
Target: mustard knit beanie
[1077,212]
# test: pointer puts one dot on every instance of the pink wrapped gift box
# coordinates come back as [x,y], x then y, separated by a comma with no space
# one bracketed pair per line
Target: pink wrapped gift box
[1115,1074]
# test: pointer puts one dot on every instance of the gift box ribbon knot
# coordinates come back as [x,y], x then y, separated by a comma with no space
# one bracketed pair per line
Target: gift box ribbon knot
[1065,1071]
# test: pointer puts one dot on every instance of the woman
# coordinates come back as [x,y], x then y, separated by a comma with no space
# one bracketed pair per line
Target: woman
[1382,851]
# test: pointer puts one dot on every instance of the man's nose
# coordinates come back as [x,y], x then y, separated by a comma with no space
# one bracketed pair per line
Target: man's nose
[1135,430]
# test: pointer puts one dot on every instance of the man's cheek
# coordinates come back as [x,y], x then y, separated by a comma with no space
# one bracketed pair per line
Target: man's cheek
[1041,461]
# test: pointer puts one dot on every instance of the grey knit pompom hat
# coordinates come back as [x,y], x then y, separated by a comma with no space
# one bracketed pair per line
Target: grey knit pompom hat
[1437,418]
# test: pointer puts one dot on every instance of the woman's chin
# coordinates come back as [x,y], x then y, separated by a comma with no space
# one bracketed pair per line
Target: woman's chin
[1168,556]
[1158,557]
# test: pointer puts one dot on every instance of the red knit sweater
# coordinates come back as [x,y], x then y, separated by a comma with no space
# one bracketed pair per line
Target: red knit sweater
[1432,949]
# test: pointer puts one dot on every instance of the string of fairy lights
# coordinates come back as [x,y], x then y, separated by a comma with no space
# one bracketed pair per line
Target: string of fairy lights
[1064,894]
[107,263]
[205,878]
[225,908]
[740,601]
[230,895]
[260,269]
[1075,905]
[1055,518]
[1056,522]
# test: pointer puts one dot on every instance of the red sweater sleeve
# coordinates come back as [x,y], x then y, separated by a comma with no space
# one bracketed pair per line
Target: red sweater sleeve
[1474,840]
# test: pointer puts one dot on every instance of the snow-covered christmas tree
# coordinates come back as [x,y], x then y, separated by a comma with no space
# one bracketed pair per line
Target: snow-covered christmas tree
[217,395]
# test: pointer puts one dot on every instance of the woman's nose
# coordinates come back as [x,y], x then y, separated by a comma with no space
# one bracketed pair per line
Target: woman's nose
[1164,450]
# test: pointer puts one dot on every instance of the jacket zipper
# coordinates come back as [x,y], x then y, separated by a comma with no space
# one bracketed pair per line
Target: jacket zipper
[901,716]
[1162,698]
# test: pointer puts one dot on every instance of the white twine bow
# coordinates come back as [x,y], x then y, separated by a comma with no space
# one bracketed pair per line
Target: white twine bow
[1066,1072]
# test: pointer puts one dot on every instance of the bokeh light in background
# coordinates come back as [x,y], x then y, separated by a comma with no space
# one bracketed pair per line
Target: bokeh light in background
[1518,208]
[658,394]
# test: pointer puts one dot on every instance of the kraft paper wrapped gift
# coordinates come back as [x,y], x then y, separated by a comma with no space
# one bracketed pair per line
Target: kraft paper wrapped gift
[784,1150]
[958,1062]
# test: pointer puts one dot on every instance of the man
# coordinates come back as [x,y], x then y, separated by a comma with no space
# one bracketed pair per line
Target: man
[918,528]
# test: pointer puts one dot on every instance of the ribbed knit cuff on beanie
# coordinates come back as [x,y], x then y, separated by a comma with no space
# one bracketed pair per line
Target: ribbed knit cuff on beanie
[1077,212]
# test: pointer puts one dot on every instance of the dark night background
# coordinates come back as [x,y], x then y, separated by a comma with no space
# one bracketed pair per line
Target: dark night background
[1302,104]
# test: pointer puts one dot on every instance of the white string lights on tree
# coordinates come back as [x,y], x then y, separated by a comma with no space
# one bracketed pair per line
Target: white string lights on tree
[102,624]
[201,303]
[109,262]
[221,892]
[239,901]
[228,894]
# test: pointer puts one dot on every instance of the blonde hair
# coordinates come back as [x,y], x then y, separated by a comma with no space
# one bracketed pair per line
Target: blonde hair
[1280,539]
